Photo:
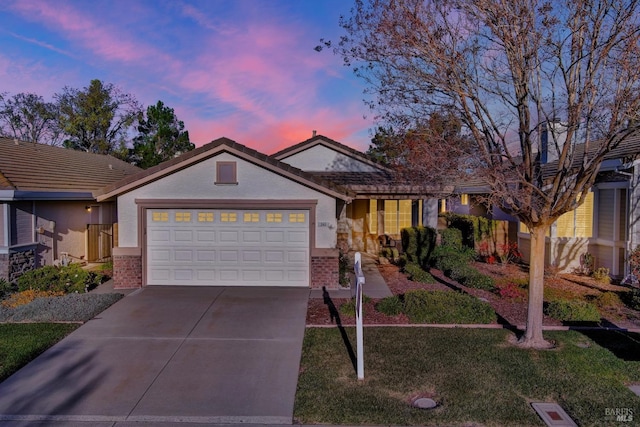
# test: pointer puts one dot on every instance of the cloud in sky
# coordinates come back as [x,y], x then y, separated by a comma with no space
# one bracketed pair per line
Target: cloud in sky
[243,69]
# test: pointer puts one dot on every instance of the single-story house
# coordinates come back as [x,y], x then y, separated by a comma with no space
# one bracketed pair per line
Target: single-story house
[225,214]
[607,225]
[48,212]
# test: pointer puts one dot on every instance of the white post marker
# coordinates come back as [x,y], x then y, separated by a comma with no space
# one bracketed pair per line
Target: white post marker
[357,266]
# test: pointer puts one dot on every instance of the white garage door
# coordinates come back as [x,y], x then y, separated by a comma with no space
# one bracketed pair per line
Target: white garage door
[228,247]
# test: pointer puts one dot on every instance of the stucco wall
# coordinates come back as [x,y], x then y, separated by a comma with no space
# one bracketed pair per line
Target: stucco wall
[321,158]
[254,183]
[68,234]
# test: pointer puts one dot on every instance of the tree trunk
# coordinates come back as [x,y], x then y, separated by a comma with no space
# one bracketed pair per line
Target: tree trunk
[532,337]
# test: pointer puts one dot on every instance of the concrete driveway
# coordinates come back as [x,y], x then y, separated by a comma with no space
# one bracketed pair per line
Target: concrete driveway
[169,355]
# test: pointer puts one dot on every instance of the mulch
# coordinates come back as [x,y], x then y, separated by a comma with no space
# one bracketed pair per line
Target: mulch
[511,312]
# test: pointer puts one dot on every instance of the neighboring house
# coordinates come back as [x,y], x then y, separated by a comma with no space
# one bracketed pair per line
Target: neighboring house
[606,226]
[47,205]
[224,214]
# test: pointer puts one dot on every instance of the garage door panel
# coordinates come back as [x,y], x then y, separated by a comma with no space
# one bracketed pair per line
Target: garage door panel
[182,275]
[183,255]
[206,255]
[274,275]
[206,275]
[297,256]
[160,255]
[183,236]
[205,236]
[160,236]
[297,237]
[251,236]
[251,256]
[274,256]
[229,256]
[227,236]
[227,247]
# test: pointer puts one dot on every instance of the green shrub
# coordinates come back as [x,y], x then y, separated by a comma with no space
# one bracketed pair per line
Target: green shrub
[390,306]
[452,238]
[424,306]
[68,279]
[343,269]
[349,307]
[418,243]
[608,299]
[572,310]
[474,228]
[6,288]
[632,298]
[601,275]
[390,253]
[417,274]
[477,280]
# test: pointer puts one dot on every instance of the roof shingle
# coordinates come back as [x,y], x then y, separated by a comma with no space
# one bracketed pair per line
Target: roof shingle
[27,166]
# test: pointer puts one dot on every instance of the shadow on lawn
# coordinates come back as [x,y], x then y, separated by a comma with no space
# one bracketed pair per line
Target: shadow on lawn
[335,315]
[623,344]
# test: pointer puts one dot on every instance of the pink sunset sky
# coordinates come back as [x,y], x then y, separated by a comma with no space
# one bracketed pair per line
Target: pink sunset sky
[244,69]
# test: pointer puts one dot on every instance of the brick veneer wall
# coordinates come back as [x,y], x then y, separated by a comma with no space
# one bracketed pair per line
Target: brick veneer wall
[127,271]
[325,270]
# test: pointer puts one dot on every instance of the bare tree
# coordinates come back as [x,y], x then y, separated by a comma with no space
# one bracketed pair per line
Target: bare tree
[508,68]
[26,116]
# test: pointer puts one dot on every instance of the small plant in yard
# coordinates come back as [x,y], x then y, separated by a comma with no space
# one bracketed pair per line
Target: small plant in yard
[586,264]
[608,300]
[601,275]
[349,307]
[508,252]
[632,299]
[25,297]
[572,311]
[343,269]
[512,289]
[6,288]
[391,306]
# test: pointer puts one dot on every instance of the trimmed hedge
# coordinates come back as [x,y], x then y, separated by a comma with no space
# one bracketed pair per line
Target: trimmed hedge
[454,263]
[473,228]
[417,274]
[422,306]
[418,243]
[572,311]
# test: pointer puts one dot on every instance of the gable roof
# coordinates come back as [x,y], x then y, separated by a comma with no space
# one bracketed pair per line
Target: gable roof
[212,149]
[33,167]
[331,144]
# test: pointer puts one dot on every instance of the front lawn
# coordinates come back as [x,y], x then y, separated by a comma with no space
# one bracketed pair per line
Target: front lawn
[476,376]
[22,342]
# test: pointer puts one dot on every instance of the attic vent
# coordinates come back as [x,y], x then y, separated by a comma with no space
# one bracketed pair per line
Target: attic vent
[15,141]
[110,166]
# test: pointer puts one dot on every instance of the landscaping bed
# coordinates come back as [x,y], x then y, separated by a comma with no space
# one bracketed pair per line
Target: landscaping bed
[511,309]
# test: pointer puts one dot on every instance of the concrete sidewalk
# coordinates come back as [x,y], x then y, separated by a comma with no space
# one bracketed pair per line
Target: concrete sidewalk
[374,286]
[169,355]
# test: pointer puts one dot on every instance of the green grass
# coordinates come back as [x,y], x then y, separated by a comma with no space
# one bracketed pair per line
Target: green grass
[22,342]
[476,376]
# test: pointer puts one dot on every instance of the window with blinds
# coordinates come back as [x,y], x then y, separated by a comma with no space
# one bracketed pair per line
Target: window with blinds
[373,216]
[397,215]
